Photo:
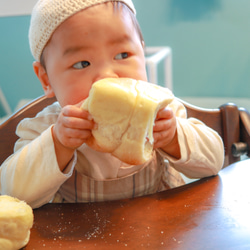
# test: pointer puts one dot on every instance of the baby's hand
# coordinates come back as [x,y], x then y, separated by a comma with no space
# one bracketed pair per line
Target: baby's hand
[73,127]
[165,132]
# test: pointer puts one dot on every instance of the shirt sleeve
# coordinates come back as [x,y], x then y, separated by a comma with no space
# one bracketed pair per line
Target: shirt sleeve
[202,149]
[32,172]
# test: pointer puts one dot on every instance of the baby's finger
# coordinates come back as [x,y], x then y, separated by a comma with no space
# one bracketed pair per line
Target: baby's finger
[165,113]
[78,123]
[74,111]
[162,125]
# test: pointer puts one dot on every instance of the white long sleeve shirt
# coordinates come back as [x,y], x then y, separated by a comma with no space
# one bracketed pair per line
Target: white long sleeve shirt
[32,172]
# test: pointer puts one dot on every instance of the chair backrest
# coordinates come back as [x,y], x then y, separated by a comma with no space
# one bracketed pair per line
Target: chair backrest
[231,123]
[8,136]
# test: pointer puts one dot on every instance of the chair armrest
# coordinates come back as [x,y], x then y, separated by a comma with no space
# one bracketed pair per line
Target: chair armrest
[245,128]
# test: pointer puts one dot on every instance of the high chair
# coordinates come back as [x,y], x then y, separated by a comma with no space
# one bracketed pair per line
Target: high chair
[231,122]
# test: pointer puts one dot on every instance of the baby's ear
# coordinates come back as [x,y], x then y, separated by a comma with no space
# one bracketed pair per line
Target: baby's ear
[143,44]
[44,79]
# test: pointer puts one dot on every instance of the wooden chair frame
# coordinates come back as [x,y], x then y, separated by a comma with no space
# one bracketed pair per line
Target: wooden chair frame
[231,122]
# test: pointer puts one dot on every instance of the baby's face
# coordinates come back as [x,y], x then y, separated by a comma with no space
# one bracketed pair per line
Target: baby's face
[93,44]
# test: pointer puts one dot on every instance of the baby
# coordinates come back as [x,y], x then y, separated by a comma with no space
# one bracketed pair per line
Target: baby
[75,43]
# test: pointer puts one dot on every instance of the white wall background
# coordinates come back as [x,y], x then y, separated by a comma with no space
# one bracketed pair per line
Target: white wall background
[16,7]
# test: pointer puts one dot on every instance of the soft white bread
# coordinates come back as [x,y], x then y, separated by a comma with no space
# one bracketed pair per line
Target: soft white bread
[125,110]
[16,220]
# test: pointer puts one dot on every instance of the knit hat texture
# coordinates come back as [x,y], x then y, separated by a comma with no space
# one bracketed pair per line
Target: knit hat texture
[47,15]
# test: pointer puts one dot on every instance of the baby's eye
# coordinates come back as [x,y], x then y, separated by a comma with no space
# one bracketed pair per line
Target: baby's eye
[81,65]
[121,56]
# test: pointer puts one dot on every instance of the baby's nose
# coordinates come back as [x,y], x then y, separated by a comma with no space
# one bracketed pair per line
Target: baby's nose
[106,72]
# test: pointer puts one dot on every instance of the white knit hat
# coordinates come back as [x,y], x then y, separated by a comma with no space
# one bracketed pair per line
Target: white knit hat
[47,15]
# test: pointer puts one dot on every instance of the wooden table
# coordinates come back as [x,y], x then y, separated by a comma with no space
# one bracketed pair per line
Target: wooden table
[212,213]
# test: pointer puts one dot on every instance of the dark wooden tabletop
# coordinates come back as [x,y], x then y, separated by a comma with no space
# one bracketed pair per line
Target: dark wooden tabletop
[212,213]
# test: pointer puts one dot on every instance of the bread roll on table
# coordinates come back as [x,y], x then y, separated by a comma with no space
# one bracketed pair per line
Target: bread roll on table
[125,110]
[16,220]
